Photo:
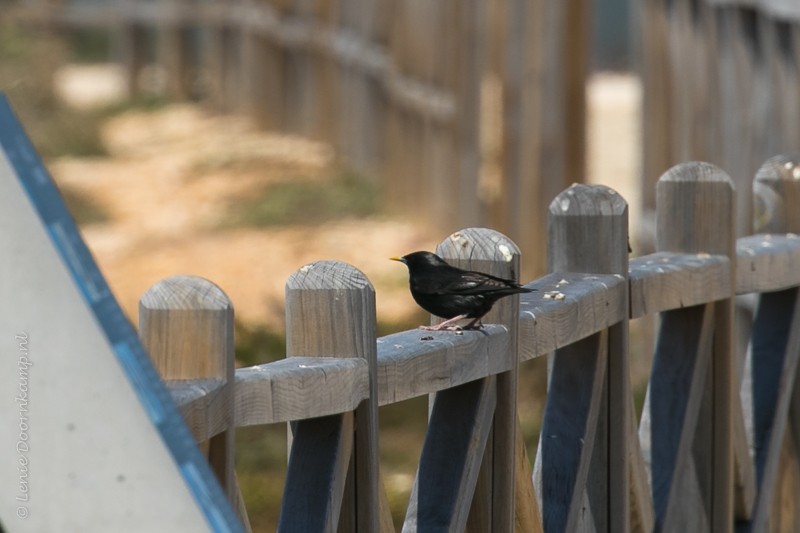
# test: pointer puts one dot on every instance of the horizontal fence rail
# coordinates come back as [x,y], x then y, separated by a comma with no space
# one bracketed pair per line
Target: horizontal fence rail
[717,443]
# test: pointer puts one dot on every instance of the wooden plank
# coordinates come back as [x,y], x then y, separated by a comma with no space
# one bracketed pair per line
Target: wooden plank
[202,405]
[666,280]
[186,324]
[330,311]
[565,308]
[459,427]
[467,23]
[675,392]
[775,349]
[744,491]
[281,391]
[492,252]
[300,387]
[568,307]
[315,478]
[414,363]
[767,263]
[642,513]
[656,71]
[132,44]
[574,401]
[696,215]
[588,231]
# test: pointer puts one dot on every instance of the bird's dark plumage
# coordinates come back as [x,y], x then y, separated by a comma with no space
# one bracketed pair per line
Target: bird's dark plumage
[452,293]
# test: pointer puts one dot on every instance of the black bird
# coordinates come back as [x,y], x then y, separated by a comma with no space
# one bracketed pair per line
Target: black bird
[452,293]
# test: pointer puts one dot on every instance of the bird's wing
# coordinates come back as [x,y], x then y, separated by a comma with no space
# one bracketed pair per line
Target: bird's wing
[475,283]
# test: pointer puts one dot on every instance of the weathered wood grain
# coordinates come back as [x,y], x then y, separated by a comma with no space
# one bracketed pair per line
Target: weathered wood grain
[767,262]
[186,324]
[315,479]
[775,352]
[492,252]
[330,312]
[675,393]
[459,427]
[300,387]
[567,307]
[201,404]
[643,517]
[414,363]
[574,402]
[588,231]
[744,490]
[666,280]
[696,214]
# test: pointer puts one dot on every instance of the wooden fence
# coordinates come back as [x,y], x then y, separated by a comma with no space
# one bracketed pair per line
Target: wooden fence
[717,443]
[719,81]
[468,112]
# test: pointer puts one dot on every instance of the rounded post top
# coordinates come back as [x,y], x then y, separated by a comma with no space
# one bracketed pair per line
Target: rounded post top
[185,293]
[478,244]
[696,171]
[776,195]
[326,275]
[783,167]
[581,199]
[696,207]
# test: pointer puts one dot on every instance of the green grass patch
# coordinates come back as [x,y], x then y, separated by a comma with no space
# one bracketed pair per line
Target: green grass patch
[256,345]
[306,202]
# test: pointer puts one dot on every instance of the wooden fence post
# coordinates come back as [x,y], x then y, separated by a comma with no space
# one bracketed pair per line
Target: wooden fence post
[696,214]
[770,391]
[174,50]
[330,312]
[186,324]
[132,46]
[492,252]
[586,438]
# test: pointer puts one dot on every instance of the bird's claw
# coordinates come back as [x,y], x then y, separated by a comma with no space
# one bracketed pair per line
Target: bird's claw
[442,328]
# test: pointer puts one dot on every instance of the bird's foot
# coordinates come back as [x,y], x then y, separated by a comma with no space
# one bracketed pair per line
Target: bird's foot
[447,325]
[442,327]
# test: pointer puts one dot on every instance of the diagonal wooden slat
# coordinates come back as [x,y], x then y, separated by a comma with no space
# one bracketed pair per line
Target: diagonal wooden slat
[315,479]
[458,429]
[775,352]
[569,429]
[527,518]
[744,490]
[676,390]
[642,513]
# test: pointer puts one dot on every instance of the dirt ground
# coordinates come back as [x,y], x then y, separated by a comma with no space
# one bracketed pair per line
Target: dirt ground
[171,173]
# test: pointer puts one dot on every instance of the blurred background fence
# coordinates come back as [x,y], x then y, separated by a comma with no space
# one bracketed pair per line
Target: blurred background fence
[720,84]
[413,92]
[467,112]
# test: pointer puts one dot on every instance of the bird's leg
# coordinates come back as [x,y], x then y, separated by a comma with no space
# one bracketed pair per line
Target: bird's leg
[475,324]
[446,325]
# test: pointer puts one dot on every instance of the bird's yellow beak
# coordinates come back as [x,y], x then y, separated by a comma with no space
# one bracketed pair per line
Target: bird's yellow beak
[397,259]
